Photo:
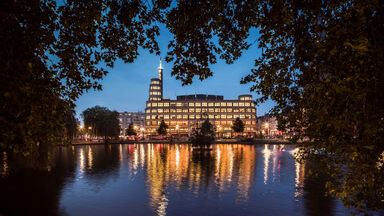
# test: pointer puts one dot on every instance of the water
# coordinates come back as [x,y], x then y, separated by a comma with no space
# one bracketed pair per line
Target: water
[160,179]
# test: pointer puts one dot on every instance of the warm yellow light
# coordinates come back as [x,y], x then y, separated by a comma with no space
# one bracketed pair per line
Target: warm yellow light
[81,126]
[177,127]
[89,128]
[266,125]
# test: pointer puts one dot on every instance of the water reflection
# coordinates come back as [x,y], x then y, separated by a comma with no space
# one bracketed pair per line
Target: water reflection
[161,179]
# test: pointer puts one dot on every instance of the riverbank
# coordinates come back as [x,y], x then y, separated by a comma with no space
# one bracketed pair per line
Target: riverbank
[220,141]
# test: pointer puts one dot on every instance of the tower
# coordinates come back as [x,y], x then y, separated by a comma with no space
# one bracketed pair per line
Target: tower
[160,69]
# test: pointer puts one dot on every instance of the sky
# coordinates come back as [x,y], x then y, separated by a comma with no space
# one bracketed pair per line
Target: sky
[126,86]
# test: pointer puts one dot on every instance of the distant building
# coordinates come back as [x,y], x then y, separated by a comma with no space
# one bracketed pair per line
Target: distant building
[267,125]
[137,118]
[187,112]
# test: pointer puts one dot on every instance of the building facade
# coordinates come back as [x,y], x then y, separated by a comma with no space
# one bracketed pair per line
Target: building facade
[187,112]
[137,118]
[267,125]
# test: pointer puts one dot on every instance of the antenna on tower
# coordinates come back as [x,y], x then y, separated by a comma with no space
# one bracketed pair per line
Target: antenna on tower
[160,66]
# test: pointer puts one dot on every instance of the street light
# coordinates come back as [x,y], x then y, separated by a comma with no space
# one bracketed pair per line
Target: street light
[266,125]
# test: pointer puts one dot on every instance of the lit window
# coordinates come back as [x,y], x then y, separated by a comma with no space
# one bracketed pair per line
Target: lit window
[211,116]
[191,110]
[248,110]
[248,116]
[191,116]
[217,104]
[223,116]
[217,109]
[173,116]
[253,116]
[217,116]
[146,111]
[223,110]
[154,104]
[173,104]
[247,104]
[149,105]
[235,116]
[185,110]
[229,116]
[185,116]
[166,116]
[204,104]
[160,110]
[242,110]
[198,110]
[198,116]
[241,104]
[198,104]
[148,117]
[235,104]
[229,103]
[173,110]
[166,110]
[153,117]
[179,110]
[210,104]
[242,116]
[160,104]
[154,111]
[179,116]
[179,104]
[252,104]
[223,104]
[192,104]
[229,109]
[211,110]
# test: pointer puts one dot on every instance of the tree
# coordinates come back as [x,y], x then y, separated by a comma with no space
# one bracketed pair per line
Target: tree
[162,130]
[102,122]
[131,130]
[238,126]
[70,124]
[203,136]
[52,52]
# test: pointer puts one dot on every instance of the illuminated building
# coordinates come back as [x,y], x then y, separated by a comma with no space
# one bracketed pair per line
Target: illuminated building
[185,113]
[136,118]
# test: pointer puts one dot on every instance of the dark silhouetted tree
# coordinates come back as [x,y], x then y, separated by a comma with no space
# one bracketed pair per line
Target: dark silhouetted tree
[131,130]
[238,126]
[162,130]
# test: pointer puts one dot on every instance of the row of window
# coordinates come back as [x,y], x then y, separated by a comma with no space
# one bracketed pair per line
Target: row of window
[219,124]
[200,116]
[155,99]
[155,82]
[245,98]
[154,87]
[203,104]
[154,93]
[203,110]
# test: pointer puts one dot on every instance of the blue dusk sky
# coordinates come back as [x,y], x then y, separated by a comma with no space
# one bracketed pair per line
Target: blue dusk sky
[126,86]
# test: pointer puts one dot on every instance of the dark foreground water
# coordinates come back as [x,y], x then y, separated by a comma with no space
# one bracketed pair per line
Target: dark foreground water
[158,179]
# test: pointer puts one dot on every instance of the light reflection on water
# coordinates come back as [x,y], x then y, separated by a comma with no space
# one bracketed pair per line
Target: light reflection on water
[161,179]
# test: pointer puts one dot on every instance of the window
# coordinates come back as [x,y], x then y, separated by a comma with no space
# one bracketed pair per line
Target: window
[147,117]
[166,110]
[223,110]
[185,110]
[179,116]
[211,116]
[217,116]
[242,110]
[223,104]
[160,117]
[235,110]
[247,104]
[160,104]
[248,110]
[229,103]
[198,110]
[247,116]
[198,104]
[166,104]
[148,111]
[159,110]
[229,109]
[223,116]
[179,104]
[173,104]
[204,104]
[236,104]
[179,110]
[154,111]
[210,104]
[252,104]
[191,116]
[242,116]
[198,116]
[191,104]
[173,110]
[229,116]
[217,104]
[235,116]
[185,116]
[166,116]
[153,117]
[217,109]
[149,105]
[154,104]
[191,110]
[173,116]
[241,104]
[211,110]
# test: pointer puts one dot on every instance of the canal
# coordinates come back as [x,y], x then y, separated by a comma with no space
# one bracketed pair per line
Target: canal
[162,179]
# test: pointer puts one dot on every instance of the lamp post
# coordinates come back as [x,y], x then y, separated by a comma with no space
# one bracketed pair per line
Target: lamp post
[266,125]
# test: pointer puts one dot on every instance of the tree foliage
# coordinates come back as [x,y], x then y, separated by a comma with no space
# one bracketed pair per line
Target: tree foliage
[321,62]
[203,136]
[102,122]
[131,130]
[162,130]
[238,126]
[70,124]
[51,52]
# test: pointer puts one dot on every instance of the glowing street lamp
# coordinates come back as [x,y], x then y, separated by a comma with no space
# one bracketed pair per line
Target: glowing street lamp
[266,125]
